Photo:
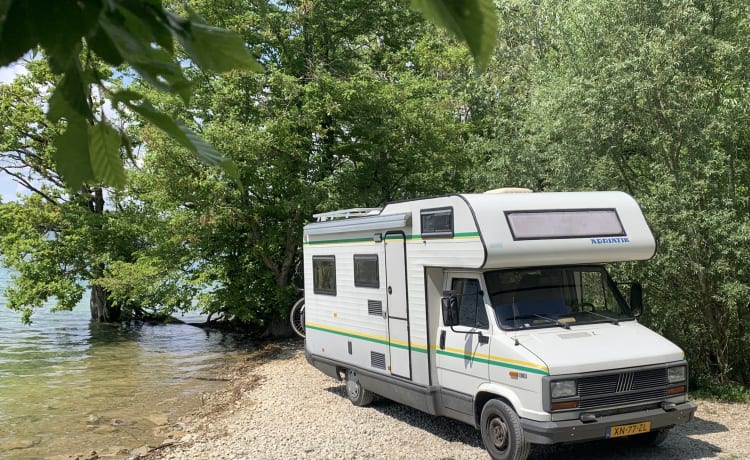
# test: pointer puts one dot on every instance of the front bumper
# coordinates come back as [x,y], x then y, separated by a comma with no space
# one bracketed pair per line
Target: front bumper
[576,430]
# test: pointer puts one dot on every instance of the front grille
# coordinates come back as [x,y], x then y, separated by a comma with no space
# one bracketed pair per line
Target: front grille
[622,388]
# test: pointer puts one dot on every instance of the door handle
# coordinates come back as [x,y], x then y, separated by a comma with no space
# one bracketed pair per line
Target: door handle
[442,340]
[390,290]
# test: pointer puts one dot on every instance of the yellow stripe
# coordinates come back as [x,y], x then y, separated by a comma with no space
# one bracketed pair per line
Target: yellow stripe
[501,359]
[433,347]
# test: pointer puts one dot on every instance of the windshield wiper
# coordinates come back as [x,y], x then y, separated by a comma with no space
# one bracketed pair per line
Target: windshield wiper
[556,322]
[609,319]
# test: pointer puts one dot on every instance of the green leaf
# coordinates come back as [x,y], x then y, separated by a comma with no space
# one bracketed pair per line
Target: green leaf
[205,152]
[155,18]
[60,25]
[133,40]
[70,97]
[103,46]
[474,22]
[17,33]
[72,153]
[216,49]
[104,151]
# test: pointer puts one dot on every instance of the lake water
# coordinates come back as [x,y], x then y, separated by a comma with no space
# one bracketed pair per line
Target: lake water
[71,386]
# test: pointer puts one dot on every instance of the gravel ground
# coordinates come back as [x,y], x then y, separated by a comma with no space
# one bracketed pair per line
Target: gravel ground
[279,407]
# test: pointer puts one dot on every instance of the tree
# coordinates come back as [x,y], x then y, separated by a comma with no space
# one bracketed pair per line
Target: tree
[650,98]
[354,109]
[58,242]
[141,35]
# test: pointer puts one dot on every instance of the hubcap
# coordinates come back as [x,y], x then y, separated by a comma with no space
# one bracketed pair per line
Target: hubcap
[499,431]
[352,384]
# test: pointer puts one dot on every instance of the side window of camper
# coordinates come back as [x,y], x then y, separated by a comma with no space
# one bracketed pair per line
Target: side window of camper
[324,275]
[366,272]
[471,312]
[437,223]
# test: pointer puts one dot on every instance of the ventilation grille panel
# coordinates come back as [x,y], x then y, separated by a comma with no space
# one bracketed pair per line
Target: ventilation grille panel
[375,307]
[377,360]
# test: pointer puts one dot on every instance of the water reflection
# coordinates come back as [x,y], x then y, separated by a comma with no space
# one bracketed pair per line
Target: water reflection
[69,385]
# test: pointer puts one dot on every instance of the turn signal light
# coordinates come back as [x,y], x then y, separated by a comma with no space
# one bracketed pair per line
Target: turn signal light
[563,405]
[676,390]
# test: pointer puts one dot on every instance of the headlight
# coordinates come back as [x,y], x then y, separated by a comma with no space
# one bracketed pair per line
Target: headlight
[676,374]
[563,388]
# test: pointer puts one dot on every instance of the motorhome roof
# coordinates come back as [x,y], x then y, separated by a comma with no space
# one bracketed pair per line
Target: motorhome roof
[346,214]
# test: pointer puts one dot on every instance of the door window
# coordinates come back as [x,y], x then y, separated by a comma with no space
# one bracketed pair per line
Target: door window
[471,311]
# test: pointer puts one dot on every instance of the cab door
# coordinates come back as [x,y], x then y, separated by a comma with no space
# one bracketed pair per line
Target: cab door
[462,352]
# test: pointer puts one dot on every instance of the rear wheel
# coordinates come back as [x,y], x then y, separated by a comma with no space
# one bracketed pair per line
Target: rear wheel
[502,433]
[354,390]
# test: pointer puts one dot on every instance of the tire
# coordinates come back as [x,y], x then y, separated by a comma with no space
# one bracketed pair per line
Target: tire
[297,317]
[354,390]
[502,433]
[652,438]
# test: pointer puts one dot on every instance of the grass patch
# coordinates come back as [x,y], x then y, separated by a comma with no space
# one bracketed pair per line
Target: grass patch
[724,392]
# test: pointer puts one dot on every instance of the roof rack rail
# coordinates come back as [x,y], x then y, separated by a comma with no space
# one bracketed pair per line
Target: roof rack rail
[346,214]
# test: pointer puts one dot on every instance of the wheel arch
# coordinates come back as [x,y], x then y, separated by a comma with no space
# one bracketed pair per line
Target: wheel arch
[490,392]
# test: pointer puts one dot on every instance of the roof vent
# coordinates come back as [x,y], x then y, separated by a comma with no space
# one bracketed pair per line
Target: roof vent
[510,190]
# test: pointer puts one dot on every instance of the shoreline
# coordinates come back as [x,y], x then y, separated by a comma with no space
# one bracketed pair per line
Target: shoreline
[277,406]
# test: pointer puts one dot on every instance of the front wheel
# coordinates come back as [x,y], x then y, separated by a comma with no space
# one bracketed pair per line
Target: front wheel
[502,433]
[354,390]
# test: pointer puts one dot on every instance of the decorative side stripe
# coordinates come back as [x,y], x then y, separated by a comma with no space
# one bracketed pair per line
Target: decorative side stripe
[456,236]
[368,337]
[450,352]
[496,361]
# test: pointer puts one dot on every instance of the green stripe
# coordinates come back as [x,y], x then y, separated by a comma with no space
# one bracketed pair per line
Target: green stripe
[491,362]
[347,240]
[390,237]
[462,356]
[368,339]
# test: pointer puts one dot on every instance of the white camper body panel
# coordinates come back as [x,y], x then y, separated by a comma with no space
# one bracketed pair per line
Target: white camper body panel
[374,284]
[340,327]
[377,339]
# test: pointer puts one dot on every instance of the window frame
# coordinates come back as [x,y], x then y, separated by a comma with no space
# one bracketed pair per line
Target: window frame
[317,288]
[366,258]
[442,233]
[479,303]
[563,236]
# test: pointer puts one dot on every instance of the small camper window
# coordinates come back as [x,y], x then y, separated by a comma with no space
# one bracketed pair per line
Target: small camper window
[366,272]
[437,223]
[324,275]
[568,223]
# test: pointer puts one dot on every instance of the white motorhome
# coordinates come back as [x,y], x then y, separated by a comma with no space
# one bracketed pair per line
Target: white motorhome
[494,309]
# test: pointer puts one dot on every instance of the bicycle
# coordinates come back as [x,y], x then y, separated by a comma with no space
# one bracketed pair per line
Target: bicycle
[297,317]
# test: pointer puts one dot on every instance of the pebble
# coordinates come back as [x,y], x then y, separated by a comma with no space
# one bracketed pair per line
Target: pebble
[289,410]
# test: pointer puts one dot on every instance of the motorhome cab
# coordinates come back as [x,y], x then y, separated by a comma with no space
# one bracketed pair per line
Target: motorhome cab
[494,309]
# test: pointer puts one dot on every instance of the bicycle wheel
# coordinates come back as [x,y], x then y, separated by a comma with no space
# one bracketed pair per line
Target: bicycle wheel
[297,317]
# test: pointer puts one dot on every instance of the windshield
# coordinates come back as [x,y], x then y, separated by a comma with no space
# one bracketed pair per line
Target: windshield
[555,296]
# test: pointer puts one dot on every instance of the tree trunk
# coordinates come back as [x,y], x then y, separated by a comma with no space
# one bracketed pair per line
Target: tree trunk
[102,311]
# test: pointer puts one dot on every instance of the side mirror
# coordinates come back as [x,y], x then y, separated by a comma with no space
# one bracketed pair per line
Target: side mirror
[450,309]
[636,299]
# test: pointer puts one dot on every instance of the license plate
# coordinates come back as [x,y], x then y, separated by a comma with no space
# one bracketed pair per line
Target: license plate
[628,430]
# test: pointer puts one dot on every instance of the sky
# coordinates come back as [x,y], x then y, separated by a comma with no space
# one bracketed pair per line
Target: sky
[8,188]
